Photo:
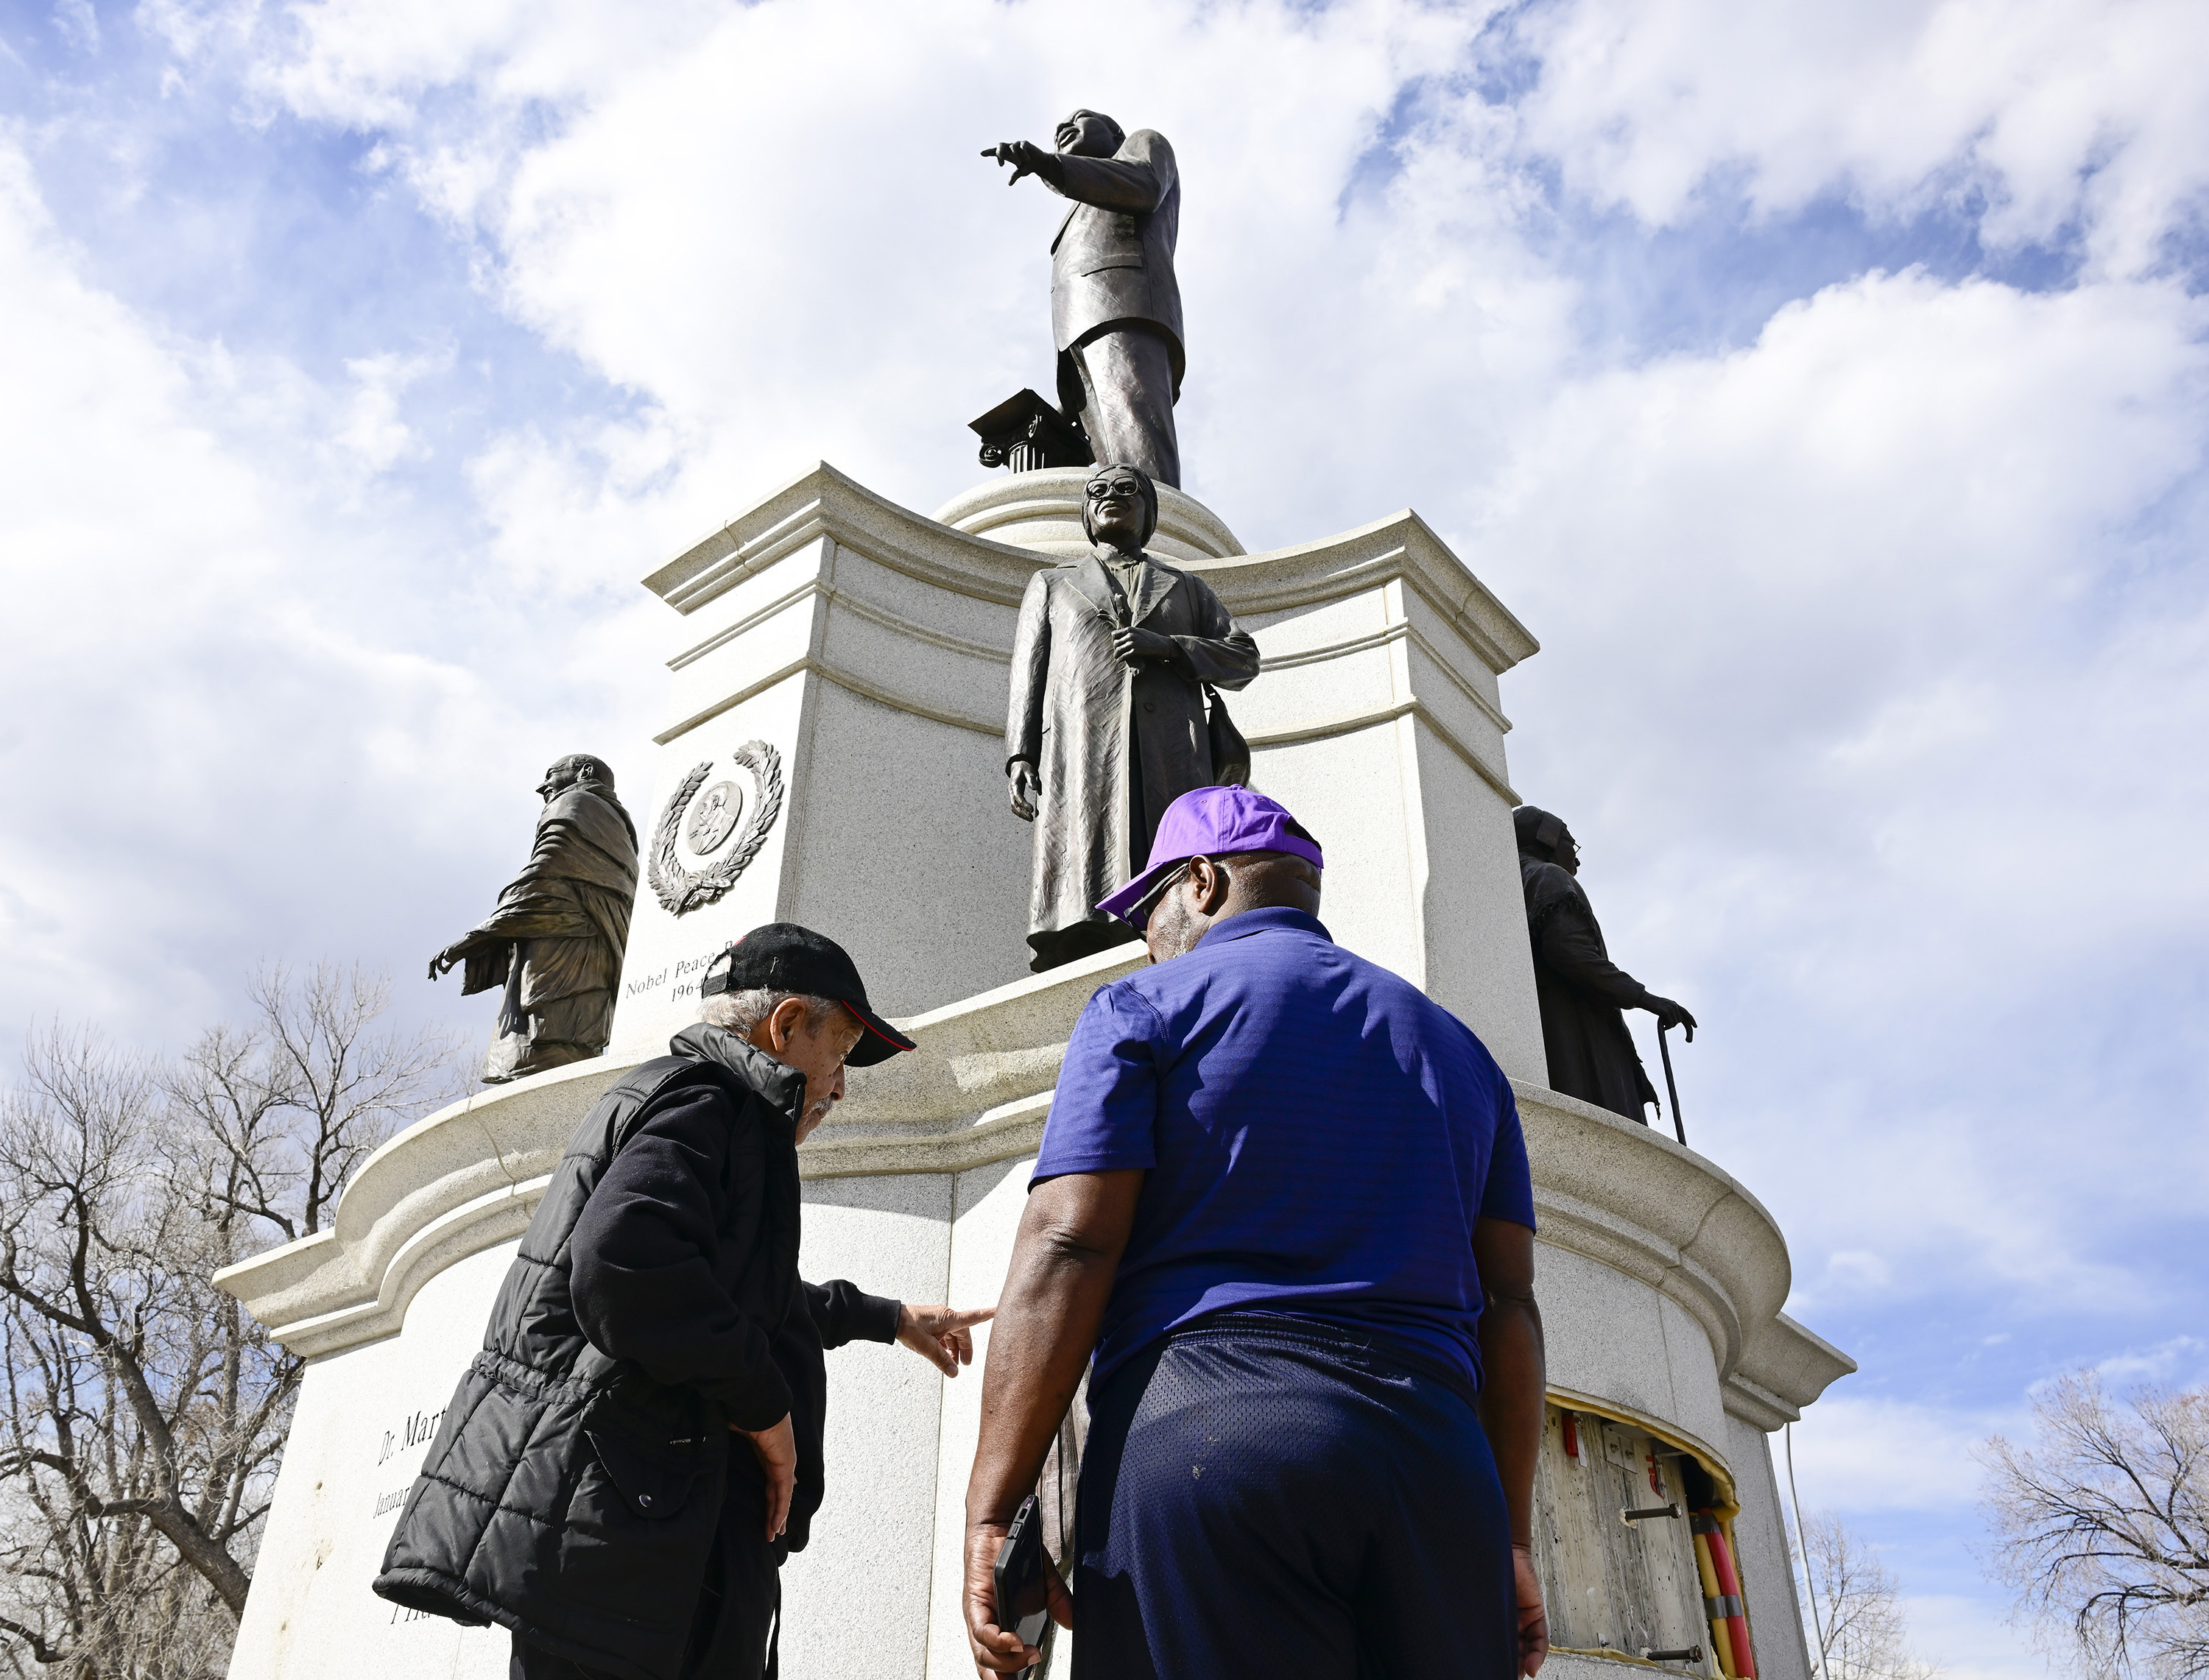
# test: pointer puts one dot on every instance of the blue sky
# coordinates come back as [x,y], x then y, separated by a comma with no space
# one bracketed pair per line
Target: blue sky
[1827,387]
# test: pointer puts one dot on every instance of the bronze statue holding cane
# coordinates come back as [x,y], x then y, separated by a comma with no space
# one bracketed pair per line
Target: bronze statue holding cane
[1581,992]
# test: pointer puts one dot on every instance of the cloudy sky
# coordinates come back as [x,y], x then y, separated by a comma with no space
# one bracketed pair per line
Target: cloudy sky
[1827,386]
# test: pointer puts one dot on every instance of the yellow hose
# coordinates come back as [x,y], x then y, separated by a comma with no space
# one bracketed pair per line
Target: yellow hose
[1721,1634]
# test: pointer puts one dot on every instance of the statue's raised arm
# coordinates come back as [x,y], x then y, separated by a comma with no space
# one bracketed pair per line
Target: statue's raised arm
[1115,304]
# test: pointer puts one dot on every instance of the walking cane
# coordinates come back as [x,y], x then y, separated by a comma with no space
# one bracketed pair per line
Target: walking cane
[1665,1050]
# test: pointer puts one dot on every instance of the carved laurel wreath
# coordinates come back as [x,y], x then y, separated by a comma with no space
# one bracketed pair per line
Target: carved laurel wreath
[678,888]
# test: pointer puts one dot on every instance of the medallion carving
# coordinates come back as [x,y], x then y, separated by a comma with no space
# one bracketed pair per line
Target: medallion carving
[708,820]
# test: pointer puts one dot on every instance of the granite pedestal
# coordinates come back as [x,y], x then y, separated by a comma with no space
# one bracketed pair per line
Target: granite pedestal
[860,650]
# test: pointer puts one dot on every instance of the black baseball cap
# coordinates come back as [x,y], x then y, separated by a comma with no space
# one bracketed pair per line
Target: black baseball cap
[783,956]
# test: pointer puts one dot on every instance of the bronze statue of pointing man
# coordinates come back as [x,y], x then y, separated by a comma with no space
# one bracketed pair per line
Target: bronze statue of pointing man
[1115,304]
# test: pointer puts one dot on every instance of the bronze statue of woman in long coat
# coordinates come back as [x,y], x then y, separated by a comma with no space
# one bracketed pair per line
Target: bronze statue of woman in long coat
[1107,723]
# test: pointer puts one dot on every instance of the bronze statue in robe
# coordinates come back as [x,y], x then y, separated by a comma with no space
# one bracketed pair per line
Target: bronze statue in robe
[1107,724]
[555,942]
[1115,303]
[1582,993]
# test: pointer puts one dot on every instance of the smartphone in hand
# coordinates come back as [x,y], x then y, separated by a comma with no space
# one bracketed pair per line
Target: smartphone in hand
[1023,1595]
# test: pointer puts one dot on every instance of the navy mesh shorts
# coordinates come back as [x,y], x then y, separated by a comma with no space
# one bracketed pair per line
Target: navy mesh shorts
[1279,1499]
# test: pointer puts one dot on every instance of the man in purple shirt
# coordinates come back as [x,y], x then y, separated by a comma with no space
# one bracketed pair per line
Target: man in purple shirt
[1283,1199]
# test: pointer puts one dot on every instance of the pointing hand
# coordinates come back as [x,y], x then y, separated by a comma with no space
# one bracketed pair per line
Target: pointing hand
[943,1336]
[1026,157]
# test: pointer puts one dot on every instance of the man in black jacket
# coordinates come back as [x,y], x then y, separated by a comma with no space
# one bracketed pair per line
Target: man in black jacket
[582,1490]
[1581,992]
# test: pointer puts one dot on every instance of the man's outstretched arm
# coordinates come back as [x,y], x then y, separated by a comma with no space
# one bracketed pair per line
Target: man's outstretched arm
[1514,1389]
[1135,182]
[1071,1237]
[1136,185]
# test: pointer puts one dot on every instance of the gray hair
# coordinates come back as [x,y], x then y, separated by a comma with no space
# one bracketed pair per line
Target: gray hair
[739,1012]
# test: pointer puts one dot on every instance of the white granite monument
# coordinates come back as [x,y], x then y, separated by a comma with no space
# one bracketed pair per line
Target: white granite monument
[833,754]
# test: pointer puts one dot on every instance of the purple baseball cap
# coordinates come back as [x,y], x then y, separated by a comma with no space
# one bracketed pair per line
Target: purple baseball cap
[1211,822]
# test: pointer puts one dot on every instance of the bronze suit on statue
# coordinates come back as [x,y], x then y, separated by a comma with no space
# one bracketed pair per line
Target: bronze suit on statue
[1115,304]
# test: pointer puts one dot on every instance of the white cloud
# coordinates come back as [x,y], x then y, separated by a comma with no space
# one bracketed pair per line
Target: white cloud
[75,22]
[1860,1457]
[222,743]
[2182,1360]
[2053,112]
[371,430]
[367,63]
[1850,1271]
[1857,643]
[785,278]
[1874,640]
[1970,1639]
[1856,635]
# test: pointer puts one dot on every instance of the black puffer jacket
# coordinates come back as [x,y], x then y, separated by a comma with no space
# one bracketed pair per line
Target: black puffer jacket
[574,1487]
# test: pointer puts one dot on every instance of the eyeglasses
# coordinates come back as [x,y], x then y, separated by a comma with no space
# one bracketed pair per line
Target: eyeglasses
[1139,912]
[1101,488]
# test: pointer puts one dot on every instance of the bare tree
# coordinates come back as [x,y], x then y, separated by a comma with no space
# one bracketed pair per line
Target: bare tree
[2102,1524]
[1863,1636]
[286,1109]
[145,1412]
[90,1298]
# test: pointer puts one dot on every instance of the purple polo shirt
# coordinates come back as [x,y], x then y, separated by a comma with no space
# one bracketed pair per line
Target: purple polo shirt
[1320,1139]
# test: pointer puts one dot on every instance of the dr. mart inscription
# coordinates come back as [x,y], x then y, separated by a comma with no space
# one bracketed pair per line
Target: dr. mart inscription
[418,1430]
[414,1434]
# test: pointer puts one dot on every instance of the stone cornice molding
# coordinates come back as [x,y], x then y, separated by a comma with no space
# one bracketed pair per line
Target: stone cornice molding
[1402,545]
[823,502]
[466,1177]
[976,1093]
[1042,510]
[1317,729]
[1349,722]
[1631,1198]
[1388,635]
[470,1176]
